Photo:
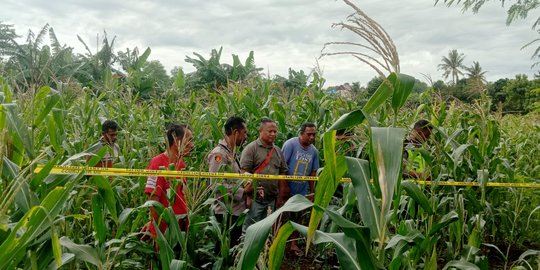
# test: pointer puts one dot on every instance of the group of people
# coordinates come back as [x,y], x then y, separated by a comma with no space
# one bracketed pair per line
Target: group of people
[297,157]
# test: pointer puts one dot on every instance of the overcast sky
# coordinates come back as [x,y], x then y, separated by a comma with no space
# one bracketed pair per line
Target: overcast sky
[286,33]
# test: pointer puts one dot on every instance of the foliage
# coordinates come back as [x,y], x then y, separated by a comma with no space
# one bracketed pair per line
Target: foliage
[211,74]
[520,94]
[377,221]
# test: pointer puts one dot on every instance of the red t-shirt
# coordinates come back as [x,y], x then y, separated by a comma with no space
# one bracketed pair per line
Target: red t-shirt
[159,186]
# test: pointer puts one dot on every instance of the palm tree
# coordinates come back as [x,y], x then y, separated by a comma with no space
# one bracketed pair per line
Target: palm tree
[476,77]
[452,65]
[475,73]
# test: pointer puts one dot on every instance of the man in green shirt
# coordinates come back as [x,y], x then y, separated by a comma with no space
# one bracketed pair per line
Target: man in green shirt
[262,156]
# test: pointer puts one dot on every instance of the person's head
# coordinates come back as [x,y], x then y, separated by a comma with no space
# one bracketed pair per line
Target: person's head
[235,129]
[422,130]
[179,137]
[308,131]
[343,134]
[109,131]
[268,131]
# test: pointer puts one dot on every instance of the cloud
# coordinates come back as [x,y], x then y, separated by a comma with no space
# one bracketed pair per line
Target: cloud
[285,33]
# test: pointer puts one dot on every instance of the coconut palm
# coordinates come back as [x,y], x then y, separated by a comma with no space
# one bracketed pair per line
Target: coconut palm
[475,73]
[476,78]
[452,65]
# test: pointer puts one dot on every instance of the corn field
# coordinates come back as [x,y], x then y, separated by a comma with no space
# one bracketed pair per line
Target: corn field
[80,222]
[378,220]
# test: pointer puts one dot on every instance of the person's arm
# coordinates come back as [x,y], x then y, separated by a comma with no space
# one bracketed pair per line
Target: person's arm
[312,183]
[246,165]
[283,193]
[247,159]
[92,150]
[235,190]
[154,216]
[154,191]
[283,186]
[287,151]
[214,165]
[314,170]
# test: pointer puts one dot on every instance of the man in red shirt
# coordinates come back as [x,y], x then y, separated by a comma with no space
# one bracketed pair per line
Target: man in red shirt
[158,188]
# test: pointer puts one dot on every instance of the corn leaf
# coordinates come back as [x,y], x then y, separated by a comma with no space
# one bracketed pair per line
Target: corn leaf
[99,218]
[37,179]
[107,193]
[447,219]
[417,195]
[361,234]
[257,233]
[460,265]
[36,221]
[166,253]
[403,85]
[177,264]
[350,119]
[57,249]
[84,253]
[386,150]
[66,258]
[332,173]
[277,248]
[174,233]
[44,98]
[345,246]
[383,92]
[22,142]
[368,206]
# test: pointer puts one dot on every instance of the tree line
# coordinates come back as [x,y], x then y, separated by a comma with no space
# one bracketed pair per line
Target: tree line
[36,63]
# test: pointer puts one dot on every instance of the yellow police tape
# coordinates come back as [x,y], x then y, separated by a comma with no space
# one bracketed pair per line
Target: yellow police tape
[190,174]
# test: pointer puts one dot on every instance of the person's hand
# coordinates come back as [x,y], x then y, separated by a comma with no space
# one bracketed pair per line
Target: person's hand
[249,202]
[260,193]
[248,188]
[146,235]
[310,197]
[279,202]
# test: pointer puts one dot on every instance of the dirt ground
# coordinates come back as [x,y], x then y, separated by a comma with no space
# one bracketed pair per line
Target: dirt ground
[309,261]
